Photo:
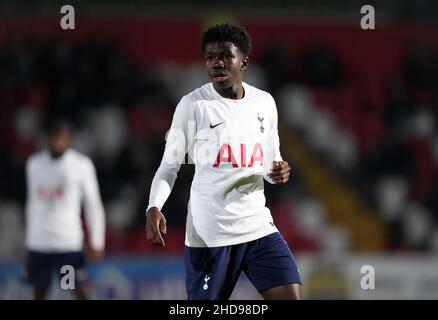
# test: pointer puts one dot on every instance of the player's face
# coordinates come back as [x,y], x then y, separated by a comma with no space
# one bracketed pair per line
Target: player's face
[225,64]
[59,141]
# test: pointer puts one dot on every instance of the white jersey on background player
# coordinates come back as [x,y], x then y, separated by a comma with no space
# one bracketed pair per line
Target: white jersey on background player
[57,188]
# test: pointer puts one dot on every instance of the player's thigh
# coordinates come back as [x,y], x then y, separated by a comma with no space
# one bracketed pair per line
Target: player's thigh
[270,263]
[287,292]
[39,269]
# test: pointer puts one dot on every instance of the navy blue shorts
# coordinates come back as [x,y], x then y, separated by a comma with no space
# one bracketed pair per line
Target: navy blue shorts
[40,267]
[212,273]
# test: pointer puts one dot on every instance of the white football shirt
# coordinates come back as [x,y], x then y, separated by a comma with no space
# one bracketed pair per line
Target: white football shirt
[56,189]
[232,143]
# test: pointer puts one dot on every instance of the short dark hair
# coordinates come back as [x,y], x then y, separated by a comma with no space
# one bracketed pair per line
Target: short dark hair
[224,32]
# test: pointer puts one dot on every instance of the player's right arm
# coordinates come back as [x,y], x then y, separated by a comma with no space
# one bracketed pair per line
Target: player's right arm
[179,139]
[155,223]
[94,212]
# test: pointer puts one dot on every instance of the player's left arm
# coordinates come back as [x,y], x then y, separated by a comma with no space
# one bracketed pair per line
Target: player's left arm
[279,172]
[94,212]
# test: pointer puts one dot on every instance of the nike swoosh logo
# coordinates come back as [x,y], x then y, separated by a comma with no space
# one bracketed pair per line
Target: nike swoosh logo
[214,126]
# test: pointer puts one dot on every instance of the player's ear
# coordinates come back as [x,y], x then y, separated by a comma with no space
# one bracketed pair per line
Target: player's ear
[244,63]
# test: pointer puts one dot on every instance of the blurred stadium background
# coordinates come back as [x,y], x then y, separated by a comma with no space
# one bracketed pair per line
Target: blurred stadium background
[358,119]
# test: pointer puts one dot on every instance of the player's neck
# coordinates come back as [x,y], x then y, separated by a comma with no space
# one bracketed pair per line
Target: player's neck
[56,155]
[235,92]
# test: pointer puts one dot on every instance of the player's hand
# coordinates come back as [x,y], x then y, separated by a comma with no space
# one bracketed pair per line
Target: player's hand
[155,225]
[95,255]
[280,172]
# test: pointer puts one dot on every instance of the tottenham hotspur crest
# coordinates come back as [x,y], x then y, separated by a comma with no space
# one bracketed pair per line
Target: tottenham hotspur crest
[205,287]
[262,129]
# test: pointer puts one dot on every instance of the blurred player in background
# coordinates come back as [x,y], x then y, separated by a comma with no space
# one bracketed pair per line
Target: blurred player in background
[59,180]
[230,129]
